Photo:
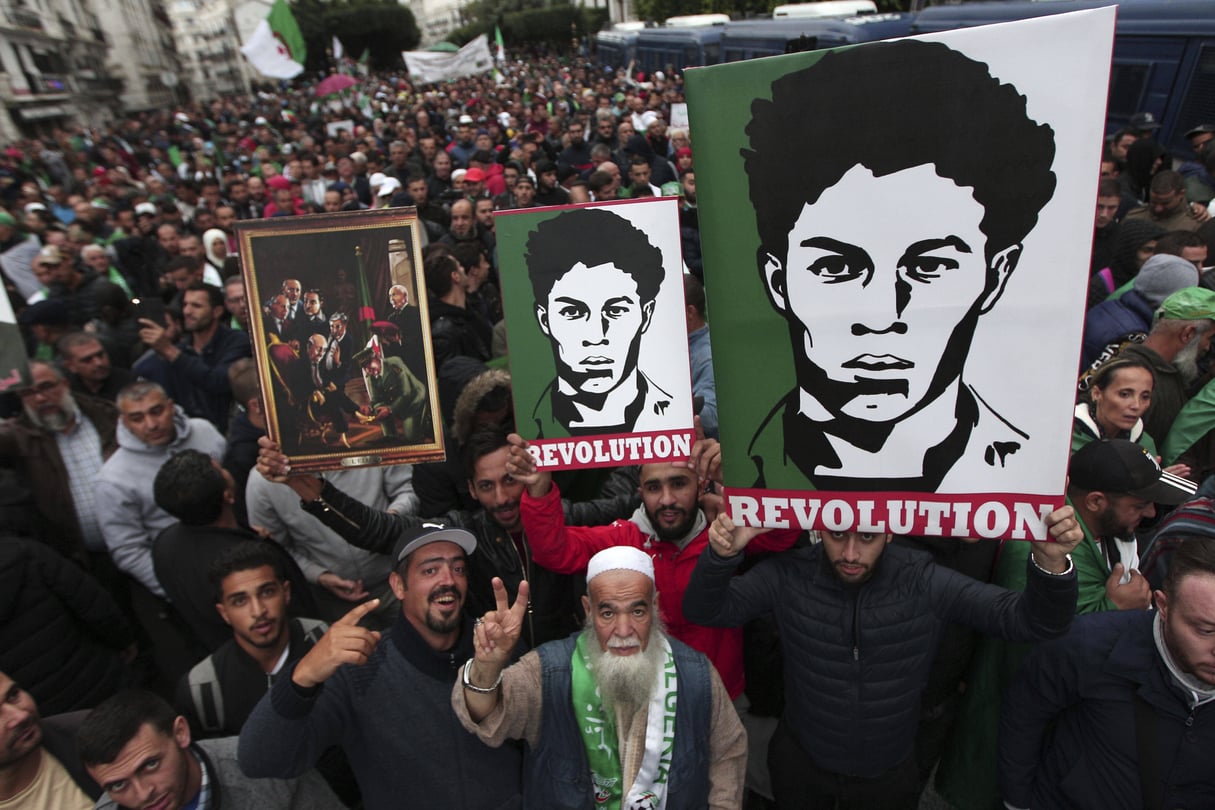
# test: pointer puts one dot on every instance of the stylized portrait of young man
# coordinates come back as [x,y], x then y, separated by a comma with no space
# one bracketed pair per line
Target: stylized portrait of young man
[595,278]
[881,312]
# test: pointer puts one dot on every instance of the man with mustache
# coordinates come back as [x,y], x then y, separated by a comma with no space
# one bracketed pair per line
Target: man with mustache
[386,700]
[504,549]
[39,768]
[669,526]
[58,445]
[142,754]
[599,706]
[252,593]
[866,617]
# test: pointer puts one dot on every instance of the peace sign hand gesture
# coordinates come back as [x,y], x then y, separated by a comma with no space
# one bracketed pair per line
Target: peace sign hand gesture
[496,633]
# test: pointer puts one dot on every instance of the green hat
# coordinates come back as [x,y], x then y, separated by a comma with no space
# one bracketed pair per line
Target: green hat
[1188,304]
[7,219]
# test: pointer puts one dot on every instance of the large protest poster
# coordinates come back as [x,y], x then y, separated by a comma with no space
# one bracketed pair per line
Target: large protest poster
[896,314]
[593,299]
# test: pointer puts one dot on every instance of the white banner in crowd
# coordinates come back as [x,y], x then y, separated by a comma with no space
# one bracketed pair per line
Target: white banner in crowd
[429,66]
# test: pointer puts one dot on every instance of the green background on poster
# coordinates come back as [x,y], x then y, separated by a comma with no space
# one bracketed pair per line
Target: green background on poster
[719,106]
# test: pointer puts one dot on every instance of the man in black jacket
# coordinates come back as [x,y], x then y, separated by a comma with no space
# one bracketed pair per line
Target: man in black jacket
[251,595]
[860,620]
[502,548]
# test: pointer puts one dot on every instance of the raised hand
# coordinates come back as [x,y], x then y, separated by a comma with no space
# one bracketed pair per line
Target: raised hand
[345,643]
[1066,534]
[496,633]
[729,540]
[523,467]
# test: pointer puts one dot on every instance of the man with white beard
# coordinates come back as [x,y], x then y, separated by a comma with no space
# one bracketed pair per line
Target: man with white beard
[621,708]
[57,447]
[1181,334]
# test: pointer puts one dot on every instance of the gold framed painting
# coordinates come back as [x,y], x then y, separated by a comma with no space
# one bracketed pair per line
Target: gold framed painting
[341,337]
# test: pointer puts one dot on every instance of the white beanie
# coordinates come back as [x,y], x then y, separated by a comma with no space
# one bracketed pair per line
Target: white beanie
[620,558]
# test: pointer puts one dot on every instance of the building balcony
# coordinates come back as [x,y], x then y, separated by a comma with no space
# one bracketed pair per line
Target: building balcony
[26,18]
[52,83]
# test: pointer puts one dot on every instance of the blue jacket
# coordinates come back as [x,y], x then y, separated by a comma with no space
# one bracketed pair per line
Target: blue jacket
[1111,321]
[556,773]
[1067,731]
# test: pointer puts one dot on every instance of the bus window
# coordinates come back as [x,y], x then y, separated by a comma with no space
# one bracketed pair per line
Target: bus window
[1127,81]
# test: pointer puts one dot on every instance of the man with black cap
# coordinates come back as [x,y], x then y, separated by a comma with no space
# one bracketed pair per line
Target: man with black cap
[1113,484]
[387,702]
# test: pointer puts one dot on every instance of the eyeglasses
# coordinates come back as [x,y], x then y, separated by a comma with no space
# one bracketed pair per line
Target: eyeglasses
[40,389]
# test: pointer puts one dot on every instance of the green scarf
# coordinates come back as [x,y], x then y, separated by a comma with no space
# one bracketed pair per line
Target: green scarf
[600,739]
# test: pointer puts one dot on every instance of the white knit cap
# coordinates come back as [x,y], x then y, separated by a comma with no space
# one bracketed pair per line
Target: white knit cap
[620,558]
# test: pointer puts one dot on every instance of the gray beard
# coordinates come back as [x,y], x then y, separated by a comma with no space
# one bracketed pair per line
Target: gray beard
[625,682]
[1186,361]
[58,421]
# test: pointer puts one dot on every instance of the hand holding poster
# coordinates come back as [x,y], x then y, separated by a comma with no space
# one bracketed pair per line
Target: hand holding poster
[593,299]
[912,201]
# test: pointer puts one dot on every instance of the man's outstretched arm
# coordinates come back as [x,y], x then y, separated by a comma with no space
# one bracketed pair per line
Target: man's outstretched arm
[714,596]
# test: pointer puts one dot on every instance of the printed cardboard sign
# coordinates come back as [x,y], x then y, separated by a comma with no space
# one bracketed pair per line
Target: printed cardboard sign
[593,298]
[895,236]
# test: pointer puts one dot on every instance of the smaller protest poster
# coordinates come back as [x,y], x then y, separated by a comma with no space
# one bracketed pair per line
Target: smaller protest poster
[341,336]
[593,298]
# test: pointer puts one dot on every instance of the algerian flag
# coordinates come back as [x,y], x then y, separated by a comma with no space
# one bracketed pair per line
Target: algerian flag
[501,54]
[337,49]
[276,47]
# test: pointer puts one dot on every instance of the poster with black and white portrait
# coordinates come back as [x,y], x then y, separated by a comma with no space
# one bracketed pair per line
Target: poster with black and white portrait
[593,298]
[896,238]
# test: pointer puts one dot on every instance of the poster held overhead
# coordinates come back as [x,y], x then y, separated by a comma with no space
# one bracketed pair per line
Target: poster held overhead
[593,299]
[338,312]
[911,200]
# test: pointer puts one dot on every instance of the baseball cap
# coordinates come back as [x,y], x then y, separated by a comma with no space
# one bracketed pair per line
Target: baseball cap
[391,185]
[49,255]
[1201,128]
[146,209]
[1189,304]
[428,533]
[1122,467]
[466,119]
[1144,120]
[526,178]
[474,175]
[34,206]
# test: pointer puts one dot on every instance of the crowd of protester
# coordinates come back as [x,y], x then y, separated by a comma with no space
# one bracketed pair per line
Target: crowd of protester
[154,541]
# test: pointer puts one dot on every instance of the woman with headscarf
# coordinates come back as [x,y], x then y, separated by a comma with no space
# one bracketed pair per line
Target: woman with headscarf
[215,243]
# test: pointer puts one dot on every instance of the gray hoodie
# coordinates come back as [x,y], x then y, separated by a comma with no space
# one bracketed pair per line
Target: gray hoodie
[126,511]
